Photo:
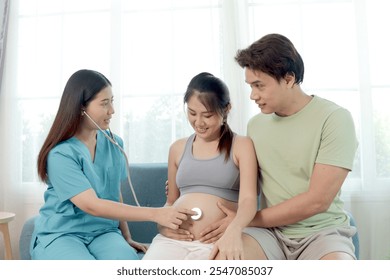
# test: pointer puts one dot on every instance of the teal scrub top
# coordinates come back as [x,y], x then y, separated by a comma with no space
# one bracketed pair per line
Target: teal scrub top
[71,171]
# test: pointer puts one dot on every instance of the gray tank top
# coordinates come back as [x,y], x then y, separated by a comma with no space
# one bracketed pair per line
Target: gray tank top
[212,176]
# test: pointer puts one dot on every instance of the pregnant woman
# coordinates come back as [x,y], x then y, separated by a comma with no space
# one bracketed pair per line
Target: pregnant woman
[214,165]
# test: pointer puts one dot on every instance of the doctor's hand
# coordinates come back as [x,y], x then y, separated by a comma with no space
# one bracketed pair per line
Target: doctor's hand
[140,247]
[172,217]
[214,231]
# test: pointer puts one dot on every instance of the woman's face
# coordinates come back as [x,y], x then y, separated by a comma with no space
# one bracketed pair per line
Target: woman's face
[100,109]
[207,125]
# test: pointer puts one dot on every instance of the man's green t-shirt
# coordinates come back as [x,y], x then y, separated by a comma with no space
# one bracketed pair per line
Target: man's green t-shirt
[287,149]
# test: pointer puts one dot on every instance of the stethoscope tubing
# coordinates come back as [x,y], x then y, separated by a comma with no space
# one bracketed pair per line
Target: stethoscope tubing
[109,135]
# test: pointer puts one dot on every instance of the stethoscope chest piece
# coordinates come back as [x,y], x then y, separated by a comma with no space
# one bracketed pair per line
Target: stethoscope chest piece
[198,215]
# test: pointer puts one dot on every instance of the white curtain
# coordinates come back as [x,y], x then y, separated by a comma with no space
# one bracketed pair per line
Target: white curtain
[4,4]
[151,49]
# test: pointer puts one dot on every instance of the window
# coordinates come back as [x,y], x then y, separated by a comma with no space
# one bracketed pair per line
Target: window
[148,49]
[379,84]
[345,61]
[151,49]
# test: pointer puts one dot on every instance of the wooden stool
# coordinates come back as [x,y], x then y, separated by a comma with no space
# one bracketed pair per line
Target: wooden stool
[5,218]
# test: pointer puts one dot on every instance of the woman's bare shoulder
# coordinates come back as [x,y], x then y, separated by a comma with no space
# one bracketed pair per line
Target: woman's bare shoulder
[179,143]
[242,146]
[242,140]
[178,146]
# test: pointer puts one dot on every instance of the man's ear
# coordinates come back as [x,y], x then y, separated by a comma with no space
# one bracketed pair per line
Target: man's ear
[290,79]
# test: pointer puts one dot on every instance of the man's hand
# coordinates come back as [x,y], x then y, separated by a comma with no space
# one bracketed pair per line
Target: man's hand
[166,188]
[214,231]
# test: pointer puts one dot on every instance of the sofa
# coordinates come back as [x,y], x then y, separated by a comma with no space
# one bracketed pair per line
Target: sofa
[148,180]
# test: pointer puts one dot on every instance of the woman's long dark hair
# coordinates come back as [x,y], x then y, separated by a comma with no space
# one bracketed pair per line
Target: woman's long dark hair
[79,91]
[214,95]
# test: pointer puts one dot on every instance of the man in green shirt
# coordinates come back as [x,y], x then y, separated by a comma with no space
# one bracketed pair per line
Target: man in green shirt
[305,147]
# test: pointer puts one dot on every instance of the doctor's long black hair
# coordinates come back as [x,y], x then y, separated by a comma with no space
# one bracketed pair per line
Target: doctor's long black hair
[79,91]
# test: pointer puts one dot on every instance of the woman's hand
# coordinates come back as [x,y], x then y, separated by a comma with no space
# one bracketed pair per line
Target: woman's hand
[178,234]
[214,231]
[172,217]
[229,246]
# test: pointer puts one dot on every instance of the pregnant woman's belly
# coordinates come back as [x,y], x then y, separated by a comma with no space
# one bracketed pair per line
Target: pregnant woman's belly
[210,211]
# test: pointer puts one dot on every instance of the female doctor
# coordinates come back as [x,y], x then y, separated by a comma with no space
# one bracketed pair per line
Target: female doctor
[83,216]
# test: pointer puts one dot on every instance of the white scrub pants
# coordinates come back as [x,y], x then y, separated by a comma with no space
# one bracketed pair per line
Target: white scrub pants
[163,248]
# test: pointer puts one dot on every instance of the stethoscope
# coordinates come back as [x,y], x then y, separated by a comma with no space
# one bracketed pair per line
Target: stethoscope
[198,214]
[108,134]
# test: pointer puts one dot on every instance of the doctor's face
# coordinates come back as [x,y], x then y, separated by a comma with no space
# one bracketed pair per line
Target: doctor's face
[100,109]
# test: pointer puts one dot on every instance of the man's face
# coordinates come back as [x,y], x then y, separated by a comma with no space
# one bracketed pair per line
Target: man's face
[268,93]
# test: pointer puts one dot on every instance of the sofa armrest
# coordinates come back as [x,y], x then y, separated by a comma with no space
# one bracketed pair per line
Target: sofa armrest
[355,238]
